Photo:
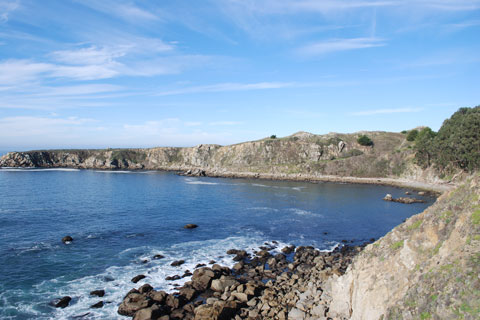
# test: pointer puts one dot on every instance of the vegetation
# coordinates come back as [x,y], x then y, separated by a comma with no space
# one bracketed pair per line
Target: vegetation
[455,146]
[365,141]
[273,136]
[412,135]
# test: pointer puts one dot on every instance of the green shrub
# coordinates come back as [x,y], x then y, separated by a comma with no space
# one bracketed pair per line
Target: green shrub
[456,145]
[404,131]
[365,141]
[412,135]
[273,136]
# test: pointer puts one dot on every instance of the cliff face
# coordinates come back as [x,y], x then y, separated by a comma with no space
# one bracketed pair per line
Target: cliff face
[426,268]
[302,153]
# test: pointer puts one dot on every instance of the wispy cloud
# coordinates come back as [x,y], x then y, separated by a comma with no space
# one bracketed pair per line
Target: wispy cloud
[223,87]
[6,7]
[335,45]
[385,111]
[121,9]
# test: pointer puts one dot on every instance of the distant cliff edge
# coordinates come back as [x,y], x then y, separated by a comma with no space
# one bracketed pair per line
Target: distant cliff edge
[301,155]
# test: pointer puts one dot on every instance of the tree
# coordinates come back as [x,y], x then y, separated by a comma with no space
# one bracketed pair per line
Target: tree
[412,135]
[365,140]
[425,146]
[273,136]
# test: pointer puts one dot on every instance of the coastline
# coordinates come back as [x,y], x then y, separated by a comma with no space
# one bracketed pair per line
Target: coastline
[437,188]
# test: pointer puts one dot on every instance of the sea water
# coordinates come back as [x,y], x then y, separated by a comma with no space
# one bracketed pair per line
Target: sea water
[120,219]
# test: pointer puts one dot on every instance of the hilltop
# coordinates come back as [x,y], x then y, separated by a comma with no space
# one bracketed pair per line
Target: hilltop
[301,156]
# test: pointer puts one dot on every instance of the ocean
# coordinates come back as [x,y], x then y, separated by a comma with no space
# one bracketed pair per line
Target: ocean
[120,220]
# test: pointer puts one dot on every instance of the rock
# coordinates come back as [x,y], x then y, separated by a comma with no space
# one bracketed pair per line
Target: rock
[240,296]
[211,262]
[67,239]
[158,296]
[407,193]
[200,265]
[201,278]
[296,314]
[158,256]
[62,302]
[177,263]
[145,288]
[132,303]
[341,146]
[172,278]
[219,285]
[153,312]
[190,226]
[288,250]
[175,302]
[138,278]
[406,200]
[188,293]
[421,193]
[98,293]
[97,305]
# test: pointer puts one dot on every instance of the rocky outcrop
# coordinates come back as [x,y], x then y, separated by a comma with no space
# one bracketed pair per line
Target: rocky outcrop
[302,155]
[265,285]
[426,268]
[406,200]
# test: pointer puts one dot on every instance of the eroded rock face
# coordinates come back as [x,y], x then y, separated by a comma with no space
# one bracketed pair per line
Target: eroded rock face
[411,273]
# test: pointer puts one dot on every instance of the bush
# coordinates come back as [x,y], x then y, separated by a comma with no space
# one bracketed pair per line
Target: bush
[273,136]
[412,135]
[365,141]
[456,145]
[404,131]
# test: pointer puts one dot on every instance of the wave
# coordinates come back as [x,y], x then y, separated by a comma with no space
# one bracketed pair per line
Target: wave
[265,209]
[191,181]
[302,212]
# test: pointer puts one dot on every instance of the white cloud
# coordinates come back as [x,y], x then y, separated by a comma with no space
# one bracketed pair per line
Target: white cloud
[18,71]
[335,45]
[126,11]
[6,7]
[30,126]
[229,86]
[385,111]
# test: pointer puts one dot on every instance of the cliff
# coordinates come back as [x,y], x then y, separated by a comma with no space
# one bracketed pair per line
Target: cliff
[302,154]
[426,268]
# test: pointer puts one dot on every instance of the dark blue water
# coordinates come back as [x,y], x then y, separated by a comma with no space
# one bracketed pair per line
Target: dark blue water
[118,219]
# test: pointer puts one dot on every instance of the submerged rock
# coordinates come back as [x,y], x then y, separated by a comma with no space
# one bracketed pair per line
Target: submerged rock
[97,305]
[190,226]
[138,278]
[67,239]
[98,293]
[406,200]
[61,302]
[177,263]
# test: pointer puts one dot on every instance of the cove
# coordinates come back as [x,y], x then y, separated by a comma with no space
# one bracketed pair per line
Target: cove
[121,219]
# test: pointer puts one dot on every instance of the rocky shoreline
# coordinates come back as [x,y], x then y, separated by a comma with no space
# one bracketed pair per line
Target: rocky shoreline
[262,285]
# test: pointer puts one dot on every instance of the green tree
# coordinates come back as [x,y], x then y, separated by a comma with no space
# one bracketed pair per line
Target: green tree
[424,146]
[273,136]
[365,140]
[412,135]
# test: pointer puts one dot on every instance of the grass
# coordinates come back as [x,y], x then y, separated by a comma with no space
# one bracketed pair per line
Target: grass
[415,225]
[425,315]
[476,217]
[397,245]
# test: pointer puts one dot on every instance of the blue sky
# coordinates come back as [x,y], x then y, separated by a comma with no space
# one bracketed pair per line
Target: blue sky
[179,73]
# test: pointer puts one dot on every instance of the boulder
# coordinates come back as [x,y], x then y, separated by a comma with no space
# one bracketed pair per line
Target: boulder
[177,263]
[132,303]
[138,278]
[219,285]
[98,293]
[145,288]
[153,312]
[388,197]
[190,226]
[97,305]
[158,296]
[67,239]
[158,256]
[202,278]
[62,302]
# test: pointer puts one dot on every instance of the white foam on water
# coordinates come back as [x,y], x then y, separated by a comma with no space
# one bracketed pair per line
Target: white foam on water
[114,171]
[264,209]
[302,212]
[192,181]
[260,185]
[7,169]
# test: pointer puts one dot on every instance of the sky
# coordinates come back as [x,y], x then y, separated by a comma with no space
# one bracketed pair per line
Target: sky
[115,73]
